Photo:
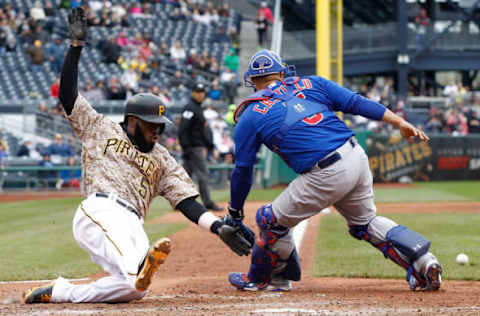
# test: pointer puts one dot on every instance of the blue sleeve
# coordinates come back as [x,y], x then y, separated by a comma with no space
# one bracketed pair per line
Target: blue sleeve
[349,102]
[246,147]
[240,184]
[246,141]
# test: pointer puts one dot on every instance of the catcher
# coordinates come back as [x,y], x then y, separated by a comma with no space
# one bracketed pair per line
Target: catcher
[123,169]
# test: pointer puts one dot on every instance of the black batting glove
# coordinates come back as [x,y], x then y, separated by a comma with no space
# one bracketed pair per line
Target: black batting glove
[77,26]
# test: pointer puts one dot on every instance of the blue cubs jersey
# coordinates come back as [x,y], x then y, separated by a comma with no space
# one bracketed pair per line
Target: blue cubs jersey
[304,139]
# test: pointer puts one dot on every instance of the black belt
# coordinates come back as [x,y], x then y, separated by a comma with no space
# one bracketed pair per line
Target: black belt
[129,208]
[330,160]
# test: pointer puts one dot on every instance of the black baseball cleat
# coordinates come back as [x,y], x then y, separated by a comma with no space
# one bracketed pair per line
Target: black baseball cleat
[156,255]
[214,207]
[40,294]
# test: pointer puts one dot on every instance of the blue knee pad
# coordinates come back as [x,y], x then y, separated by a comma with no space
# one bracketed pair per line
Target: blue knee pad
[264,258]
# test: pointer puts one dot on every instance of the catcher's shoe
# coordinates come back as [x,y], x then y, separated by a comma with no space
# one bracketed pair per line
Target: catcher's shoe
[40,294]
[279,284]
[156,255]
[432,281]
[241,282]
[434,277]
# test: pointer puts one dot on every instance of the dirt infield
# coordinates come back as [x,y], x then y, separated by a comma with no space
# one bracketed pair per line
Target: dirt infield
[193,281]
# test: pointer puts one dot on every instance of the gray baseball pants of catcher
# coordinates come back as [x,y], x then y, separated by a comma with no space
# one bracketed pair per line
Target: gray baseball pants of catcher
[347,185]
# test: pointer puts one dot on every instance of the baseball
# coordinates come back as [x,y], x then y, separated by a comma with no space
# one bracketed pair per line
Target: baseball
[462,258]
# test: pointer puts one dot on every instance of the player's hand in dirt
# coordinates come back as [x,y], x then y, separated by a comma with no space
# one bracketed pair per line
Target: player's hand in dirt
[409,132]
[77,24]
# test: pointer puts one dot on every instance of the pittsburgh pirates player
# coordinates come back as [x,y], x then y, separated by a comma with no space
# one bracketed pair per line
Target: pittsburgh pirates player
[123,169]
[295,118]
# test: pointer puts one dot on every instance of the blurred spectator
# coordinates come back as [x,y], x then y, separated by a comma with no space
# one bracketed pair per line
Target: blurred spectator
[93,20]
[59,148]
[421,23]
[177,52]
[199,16]
[215,92]
[210,113]
[225,147]
[91,92]
[114,90]
[235,38]
[122,40]
[120,10]
[110,51]
[177,15]
[435,121]
[11,44]
[231,60]
[400,109]
[54,88]
[75,3]
[95,5]
[39,34]
[456,123]
[37,56]
[3,150]
[221,36]
[49,9]
[69,178]
[224,10]
[136,9]
[129,79]
[193,58]
[229,117]
[451,89]
[265,11]
[56,51]
[177,79]
[24,31]
[227,79]
[24,149]
[37,12]
[262,29]
[46,177]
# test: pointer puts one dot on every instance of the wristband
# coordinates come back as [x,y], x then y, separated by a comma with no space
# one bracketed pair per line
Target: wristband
[206,220]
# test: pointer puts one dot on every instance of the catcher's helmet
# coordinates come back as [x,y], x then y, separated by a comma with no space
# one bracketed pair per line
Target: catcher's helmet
[147,107]
[263,63]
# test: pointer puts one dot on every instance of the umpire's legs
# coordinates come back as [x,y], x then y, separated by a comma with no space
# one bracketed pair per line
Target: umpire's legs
[199,166]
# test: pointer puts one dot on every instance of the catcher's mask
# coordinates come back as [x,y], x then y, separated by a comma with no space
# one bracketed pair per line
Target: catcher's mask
[266,62]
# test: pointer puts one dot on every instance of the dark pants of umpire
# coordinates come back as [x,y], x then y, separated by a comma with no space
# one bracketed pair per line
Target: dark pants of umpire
[196,164]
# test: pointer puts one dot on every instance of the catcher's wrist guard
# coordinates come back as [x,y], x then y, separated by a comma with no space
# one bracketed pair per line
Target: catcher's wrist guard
[236,214]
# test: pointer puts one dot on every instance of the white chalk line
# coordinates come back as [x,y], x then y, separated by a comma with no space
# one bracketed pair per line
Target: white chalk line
[39,281]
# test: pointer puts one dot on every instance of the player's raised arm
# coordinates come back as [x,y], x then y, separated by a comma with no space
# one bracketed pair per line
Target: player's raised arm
[77,24]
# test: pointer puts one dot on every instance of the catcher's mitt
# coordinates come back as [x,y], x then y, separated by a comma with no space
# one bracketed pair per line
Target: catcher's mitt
[233,238]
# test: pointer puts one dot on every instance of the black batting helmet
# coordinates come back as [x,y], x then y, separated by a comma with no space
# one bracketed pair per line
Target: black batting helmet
[147,107]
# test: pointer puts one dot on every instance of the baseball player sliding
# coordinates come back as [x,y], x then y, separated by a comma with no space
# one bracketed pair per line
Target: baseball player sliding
[295,118]
[123,169]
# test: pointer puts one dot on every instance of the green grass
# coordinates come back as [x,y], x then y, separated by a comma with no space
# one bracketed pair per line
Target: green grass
[430,192]
[420,192]
[338,254]
[37,242]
